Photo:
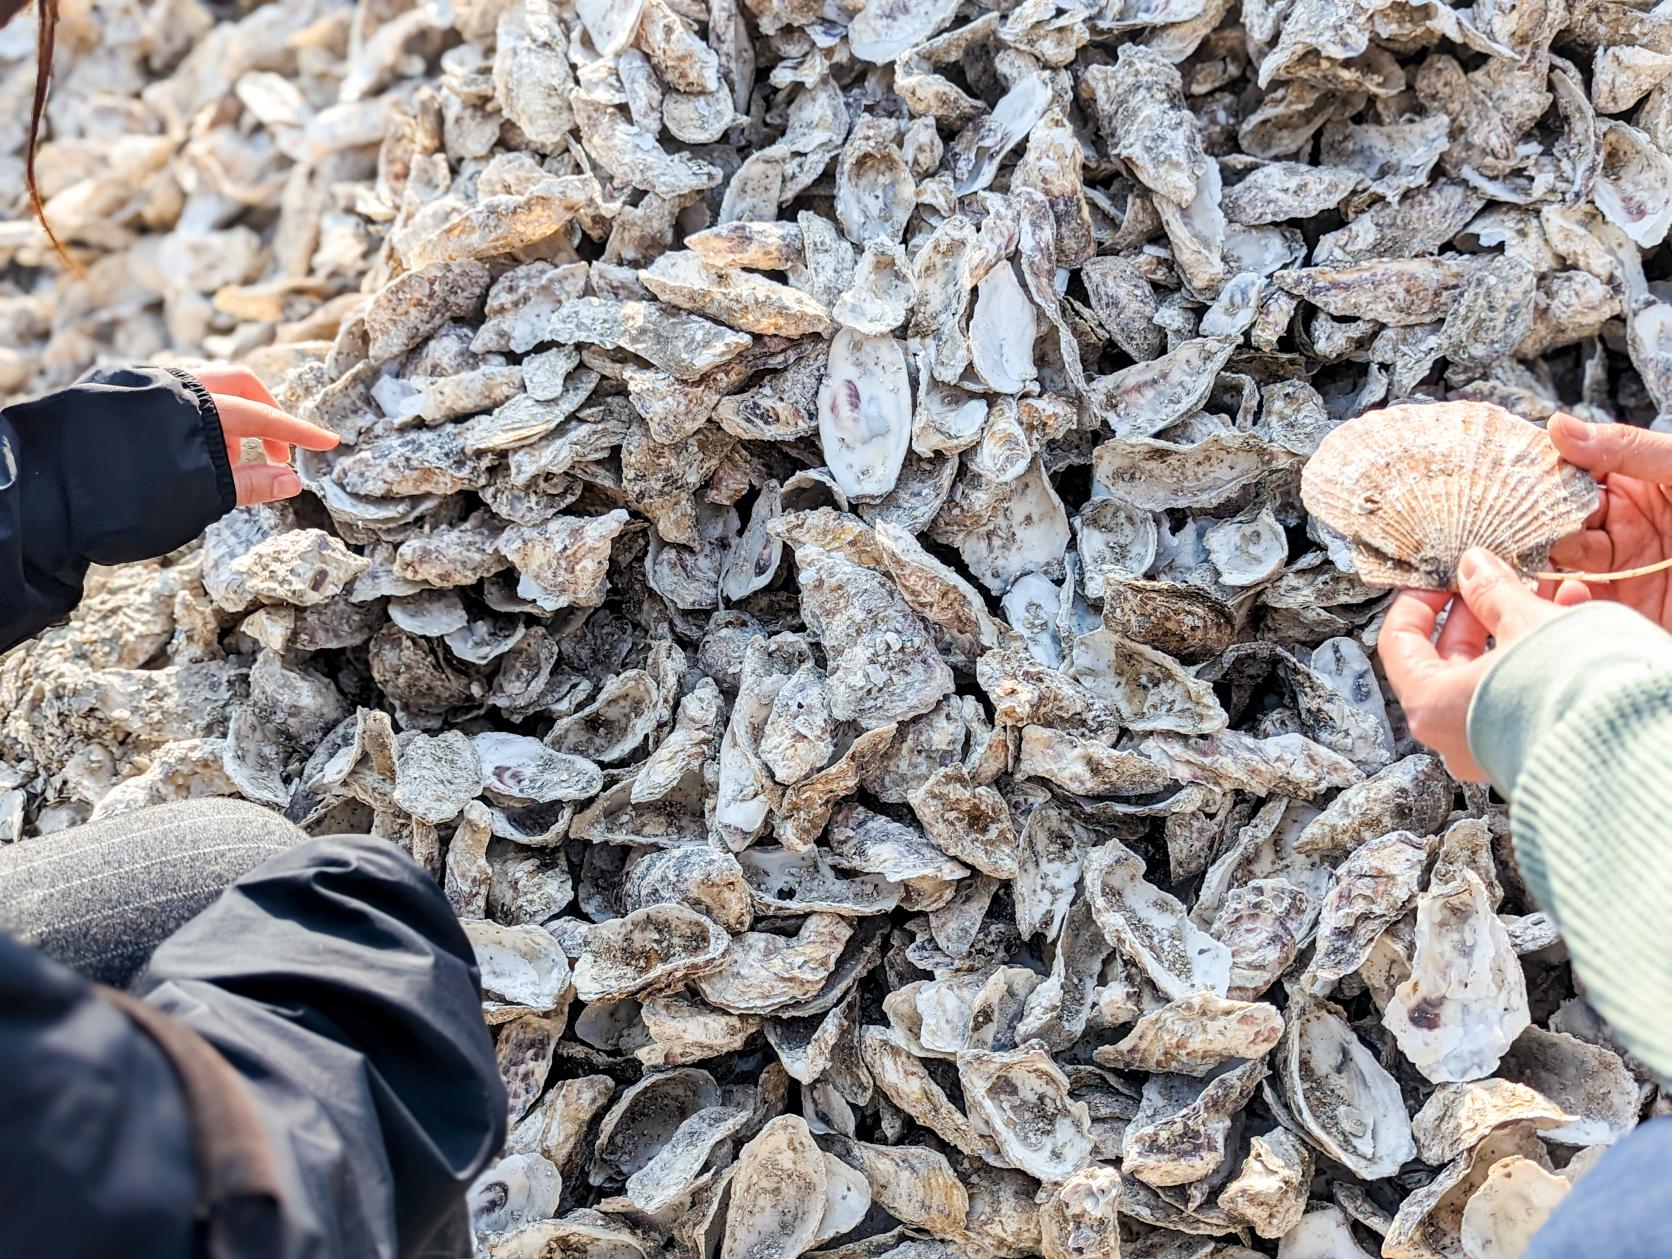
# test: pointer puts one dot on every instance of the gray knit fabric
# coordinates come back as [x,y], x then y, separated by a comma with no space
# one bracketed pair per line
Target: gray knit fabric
[99,898]
[1572,723]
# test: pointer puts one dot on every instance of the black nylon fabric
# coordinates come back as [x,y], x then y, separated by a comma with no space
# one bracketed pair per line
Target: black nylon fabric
[336,980]
[95,1157]
[350,1002]
[127,464]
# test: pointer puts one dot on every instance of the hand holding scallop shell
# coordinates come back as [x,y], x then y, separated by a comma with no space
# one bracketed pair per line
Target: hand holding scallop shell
[1434,689]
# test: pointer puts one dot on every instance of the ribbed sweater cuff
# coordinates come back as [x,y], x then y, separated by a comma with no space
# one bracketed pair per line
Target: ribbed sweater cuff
[1547,676]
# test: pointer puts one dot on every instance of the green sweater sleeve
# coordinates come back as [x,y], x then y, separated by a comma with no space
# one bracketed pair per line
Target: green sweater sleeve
[1573,724]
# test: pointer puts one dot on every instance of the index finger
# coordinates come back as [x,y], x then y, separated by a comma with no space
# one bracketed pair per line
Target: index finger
[241,417]
[1406,643]
[238,381]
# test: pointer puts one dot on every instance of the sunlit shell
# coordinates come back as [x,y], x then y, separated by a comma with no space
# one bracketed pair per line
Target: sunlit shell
[1510,1207]
[1022,1098]
[1375,885]
[672,1169]
[1150,927]
[1466,1000]
[777,1195]
[1458,1116]
[1194,1034]
[644,1117]
[1413,487]
[1181,1132]
[912,1183]
[1270,1190]
[761,973]
[1586,1080]
[516,769]
[1430,1220]
[520,966]
[301,567]
[782,881]
[1321,1234]
[1001,332]
[1347,1105]
[700,878]
[881,32]
[1633,183]
[906,1082]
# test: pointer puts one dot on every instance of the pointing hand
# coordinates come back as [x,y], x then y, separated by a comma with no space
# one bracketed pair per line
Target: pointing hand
[248,410]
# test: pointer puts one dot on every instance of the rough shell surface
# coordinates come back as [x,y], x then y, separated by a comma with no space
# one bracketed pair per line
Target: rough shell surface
[819,555]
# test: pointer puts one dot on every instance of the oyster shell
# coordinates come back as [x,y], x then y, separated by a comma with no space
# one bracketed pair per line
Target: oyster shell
[1270,1190]
[1346,1104]
[1022,1099]
[777,1193]
[657,946]
[864,408]
[1195,1034]
[1466,999]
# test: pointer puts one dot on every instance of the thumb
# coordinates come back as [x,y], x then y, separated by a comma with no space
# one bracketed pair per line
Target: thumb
[265,482]
[1604,448]
[1494,593]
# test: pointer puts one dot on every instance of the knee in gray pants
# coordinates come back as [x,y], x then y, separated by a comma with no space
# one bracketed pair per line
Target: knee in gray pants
[99,898]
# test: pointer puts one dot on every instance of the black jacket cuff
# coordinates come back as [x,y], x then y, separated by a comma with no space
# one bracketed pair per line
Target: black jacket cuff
[127,464]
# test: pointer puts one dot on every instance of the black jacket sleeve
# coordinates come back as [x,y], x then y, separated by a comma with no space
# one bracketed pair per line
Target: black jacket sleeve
[127,464]
[338,982]
[95,1152]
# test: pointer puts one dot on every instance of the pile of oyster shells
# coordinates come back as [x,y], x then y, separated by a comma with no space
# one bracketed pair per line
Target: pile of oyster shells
[815,569]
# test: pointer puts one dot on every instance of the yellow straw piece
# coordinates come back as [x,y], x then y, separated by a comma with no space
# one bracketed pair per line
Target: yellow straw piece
[1623,575]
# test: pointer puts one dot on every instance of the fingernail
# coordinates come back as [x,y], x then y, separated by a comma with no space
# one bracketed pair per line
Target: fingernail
[287,486]
[1475,563]
[1579,432]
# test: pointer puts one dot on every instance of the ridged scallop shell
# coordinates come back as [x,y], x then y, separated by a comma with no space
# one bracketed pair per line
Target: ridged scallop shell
[1413,487]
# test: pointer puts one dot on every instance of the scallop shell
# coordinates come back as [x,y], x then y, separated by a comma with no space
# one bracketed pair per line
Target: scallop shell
[1413,487]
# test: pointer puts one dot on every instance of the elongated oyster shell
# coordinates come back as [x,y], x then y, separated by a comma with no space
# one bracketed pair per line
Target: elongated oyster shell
[1150,928]
[1347,1105]
[865,412]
